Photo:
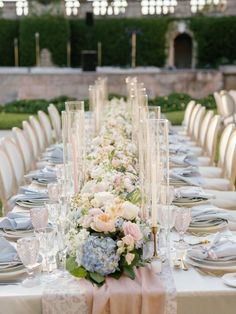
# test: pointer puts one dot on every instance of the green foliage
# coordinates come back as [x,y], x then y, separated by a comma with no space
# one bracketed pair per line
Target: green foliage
[33,105]
[214,37]
[179,101]
[54,34]
[8,31]
[114,34]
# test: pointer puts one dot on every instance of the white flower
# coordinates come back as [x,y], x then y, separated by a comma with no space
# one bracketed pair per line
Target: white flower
[104,197]
[96,172]
[80,240]
[130,210]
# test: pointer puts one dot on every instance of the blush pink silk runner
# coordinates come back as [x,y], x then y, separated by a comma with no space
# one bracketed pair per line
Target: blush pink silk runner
[147,294]
[144,295]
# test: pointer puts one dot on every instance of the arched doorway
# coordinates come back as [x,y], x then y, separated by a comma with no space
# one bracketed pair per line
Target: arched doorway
[183,48]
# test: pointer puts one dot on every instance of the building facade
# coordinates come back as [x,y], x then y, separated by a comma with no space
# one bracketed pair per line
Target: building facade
[117,8]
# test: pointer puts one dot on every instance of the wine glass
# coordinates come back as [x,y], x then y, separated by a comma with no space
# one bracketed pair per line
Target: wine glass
[39,217]
[28,251]
[48,249]
[54,191]
[182,222]
[53,212]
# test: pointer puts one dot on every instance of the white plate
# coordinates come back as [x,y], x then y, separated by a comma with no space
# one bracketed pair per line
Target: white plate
[231,268]
[27,205]
[13,274]
[190,203]
[230,279]
[209,228]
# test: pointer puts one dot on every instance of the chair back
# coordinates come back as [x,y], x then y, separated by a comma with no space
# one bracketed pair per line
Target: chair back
[39,133]
[204,128]
[198,121]
[188,112]
[14,155]
[218,101]
[7,180]
[230,160]
[193,118]
[29,131]
[228,105]
[46,125]
[56,120]
[212,135]
[224,140]
[23,143]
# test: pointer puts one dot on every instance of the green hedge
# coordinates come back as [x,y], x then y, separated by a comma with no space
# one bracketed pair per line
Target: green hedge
[114,34]
[32,106]
[215,39]
[8,31]
[54,34]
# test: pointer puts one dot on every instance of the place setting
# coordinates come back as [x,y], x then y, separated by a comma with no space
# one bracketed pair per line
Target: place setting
[190,196]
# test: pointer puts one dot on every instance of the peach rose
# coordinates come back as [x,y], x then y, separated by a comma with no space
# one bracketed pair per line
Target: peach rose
[129,241]
[133,230]
[129,258]
[103,223]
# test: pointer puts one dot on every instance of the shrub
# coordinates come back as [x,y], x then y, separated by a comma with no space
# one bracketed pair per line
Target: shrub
[214,39]
[54,34]
[8,31]
[115,35]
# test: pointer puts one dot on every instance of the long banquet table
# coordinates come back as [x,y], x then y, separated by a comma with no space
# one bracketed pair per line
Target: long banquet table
[196,294]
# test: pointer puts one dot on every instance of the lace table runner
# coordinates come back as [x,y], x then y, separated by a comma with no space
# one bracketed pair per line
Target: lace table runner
[65,296]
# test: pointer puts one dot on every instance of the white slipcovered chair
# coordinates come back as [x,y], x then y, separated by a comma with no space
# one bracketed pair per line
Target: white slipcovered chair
[218,171]
[39,133]
[197,124]
[226,183]
[46,125]
[27,127]
[15,157]
[194,114]
[201,150]
[56,121]
[228,104]
[218,101]
[7,180]
[25,148]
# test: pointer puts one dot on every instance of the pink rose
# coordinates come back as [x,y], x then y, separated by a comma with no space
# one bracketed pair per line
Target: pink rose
[129,258]
[103,223]
[132,229]
[128,240]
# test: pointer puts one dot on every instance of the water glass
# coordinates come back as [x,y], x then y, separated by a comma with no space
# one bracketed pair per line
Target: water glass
[28,251]
[182,222]
[48,249]
[39,217]
[54,191]
[53,212]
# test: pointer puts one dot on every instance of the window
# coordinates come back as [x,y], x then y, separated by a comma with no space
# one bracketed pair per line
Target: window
[103,7]
[72,7]
[22,7]
[159,7]
[207,5]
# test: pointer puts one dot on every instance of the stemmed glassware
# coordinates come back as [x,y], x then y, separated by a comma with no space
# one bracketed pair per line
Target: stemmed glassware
[28,251]
[182,222]
[48,249]
[39,217]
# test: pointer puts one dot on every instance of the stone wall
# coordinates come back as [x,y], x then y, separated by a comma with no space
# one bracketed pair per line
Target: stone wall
[47,83]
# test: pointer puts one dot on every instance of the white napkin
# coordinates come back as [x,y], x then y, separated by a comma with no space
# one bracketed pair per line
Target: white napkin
[221,248]
[189,175]
[46,175]
[209,212]
[184,160]
[178,148]
[16,221]
[8,252]
[192,192]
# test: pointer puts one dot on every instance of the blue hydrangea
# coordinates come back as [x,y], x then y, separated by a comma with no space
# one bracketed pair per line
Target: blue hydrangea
[119,222]
[99,255]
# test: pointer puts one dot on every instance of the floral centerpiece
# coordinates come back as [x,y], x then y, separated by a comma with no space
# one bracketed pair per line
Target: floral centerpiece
[107,235]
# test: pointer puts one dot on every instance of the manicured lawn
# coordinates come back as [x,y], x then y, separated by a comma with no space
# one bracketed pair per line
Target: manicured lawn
[9,120]
[176,117]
